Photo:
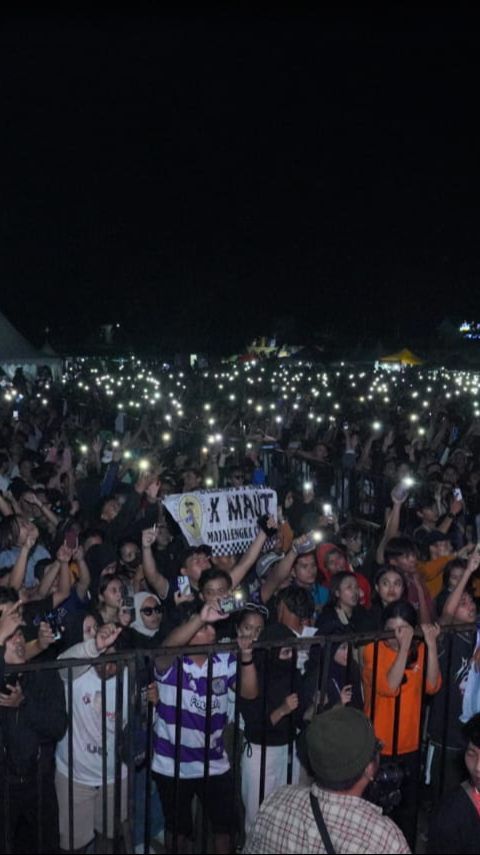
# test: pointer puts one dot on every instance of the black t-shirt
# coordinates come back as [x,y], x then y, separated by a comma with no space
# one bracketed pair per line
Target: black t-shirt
[453,684]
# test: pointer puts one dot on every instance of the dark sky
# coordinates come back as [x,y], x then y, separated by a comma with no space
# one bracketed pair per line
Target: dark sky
[200,176]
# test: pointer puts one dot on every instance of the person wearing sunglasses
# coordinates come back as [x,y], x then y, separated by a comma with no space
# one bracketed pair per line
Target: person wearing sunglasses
[146,629]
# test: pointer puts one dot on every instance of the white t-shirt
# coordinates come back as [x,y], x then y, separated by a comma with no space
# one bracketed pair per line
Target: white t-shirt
[86,722]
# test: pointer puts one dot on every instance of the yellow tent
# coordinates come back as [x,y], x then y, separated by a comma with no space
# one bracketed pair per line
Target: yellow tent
[404,357]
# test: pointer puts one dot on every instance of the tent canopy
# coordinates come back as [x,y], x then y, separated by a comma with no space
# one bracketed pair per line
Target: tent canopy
[16,351]
[404,357]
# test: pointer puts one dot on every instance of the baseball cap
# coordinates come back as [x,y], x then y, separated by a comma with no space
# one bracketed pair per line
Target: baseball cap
[340,743]
[265,562]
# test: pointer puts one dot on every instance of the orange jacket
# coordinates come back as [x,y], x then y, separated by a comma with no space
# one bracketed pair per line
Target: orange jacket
[410,698]
[432,573]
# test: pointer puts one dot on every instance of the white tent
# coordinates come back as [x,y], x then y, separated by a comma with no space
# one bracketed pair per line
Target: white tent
[16,351]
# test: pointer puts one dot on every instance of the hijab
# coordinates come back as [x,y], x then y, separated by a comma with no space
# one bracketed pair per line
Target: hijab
[138,623]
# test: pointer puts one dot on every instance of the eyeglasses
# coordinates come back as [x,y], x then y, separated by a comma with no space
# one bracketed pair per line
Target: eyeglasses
[149,610]
[252,607]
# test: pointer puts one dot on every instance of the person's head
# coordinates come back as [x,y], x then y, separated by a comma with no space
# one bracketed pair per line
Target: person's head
[250,622]
[427,511]
[224,562]
[14,531]
[130,554]
[163,536]
[4,463]
[280,657]
[90,537]
[110,591]
[25,467]
[396,615]
[14,648]
[236,477]
[7,595]
[195,561]
[342,750]
[213,585]
[390,585]
[471,735]
[183,613]
[148,613]
[390,469]
[340,653]
[191,480]
[351,537]
[78,627]
[439,544]
[344,591]
[295,607]
[400,552]
[466,611]
[450,475]
[90,627]
[305,570]
[110,509]
[335,561]
[452,573]
[321,452]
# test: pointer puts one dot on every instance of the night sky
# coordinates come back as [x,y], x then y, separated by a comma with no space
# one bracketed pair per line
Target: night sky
[202,177]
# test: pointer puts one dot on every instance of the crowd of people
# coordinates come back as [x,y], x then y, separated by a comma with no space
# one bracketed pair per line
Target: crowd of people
[378,517]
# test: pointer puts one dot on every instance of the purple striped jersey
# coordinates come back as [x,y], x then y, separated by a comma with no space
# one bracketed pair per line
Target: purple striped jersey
[193,716]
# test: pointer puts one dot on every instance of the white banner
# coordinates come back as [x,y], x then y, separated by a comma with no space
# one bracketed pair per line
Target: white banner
[225,519]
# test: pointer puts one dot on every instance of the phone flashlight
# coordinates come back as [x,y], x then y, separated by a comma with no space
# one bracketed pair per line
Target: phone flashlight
[143,465]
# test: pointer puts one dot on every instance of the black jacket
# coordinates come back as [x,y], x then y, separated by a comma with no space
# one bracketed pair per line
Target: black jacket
[455,827]
[40,720]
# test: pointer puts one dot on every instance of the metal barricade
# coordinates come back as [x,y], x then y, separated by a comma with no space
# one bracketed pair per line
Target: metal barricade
[120,716]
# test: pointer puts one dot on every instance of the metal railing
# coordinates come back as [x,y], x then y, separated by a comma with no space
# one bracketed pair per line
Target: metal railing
[134,667]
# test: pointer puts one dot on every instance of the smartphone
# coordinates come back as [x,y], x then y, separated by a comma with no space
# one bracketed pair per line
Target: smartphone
[233,603]
[15,415]
[457,494]
[345,425]
[183,585]
[327,510]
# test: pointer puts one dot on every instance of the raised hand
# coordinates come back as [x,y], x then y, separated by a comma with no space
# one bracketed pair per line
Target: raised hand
[211,615]
[14,698]
[10,619]
[148,537]
[106,636]
[431,631]
[346,695]
[45,635]
[290,703]
[64,554]
[404,635]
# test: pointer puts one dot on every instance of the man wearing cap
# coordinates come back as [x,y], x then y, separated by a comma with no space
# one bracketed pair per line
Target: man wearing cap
[331,815]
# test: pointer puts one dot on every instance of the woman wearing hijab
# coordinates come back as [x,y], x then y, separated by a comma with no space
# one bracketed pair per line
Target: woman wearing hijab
[146,630]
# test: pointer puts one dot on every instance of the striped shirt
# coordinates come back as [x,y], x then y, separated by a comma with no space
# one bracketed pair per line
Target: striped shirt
[193,717]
